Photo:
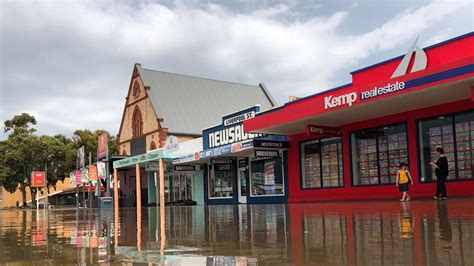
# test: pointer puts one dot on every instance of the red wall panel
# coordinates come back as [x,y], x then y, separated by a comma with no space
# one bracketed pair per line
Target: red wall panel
[296,194]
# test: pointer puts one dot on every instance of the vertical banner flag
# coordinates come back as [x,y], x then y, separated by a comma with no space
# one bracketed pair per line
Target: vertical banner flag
[92,173]
[80,159]
[72,178]
[85,175]
[101,170]
[102,146]
[38,179]
[78,178]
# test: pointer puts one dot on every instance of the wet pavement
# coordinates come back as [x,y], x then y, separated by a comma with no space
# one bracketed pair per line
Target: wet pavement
[357,233]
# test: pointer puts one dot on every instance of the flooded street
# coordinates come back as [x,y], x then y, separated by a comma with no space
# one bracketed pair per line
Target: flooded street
[357,233]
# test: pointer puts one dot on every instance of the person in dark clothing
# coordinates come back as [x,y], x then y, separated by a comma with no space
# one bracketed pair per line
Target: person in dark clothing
[441,170]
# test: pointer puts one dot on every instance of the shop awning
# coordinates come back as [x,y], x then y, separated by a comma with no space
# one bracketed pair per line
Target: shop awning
[239,149]
[350,104]
[142,159]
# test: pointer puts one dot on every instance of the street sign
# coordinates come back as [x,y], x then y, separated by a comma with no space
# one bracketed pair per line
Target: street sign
[38,179]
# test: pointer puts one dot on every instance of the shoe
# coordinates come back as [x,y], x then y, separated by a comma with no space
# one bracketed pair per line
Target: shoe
[436,198]
[444,198]
[402,200]
[408,199]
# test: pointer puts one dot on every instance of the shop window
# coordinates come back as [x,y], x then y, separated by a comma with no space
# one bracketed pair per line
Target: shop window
[376,154]
[453,133]
[321,163]
[221,185]
[266,177]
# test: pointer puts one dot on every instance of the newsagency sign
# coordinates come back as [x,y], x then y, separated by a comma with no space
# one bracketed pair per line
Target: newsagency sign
[232,130]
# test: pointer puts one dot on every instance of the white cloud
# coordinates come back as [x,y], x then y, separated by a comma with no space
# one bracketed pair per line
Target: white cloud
[82,51]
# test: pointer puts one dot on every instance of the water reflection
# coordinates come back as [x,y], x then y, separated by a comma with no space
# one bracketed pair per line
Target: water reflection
[360,233]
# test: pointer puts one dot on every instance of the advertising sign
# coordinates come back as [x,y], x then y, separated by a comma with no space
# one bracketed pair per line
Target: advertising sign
[265,154]
[78,178]
[80,158]
[184,168]
[85,175]
[172,144]
[72,178]
[103,146]
[101,171]
[322,131]
[269,174]
[38,179]
[231,130]
[93,173]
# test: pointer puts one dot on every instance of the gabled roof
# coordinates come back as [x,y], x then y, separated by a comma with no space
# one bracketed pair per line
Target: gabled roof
[188,104]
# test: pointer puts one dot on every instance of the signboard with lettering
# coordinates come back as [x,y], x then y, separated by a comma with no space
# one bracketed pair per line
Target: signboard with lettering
[265,153]
[322,131]
[101,171]
[92,173]
[38,179]
[78,178]
[184,168]
[232,131]
[172,144]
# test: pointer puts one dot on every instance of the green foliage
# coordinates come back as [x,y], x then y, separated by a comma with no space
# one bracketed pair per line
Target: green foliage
[89,140]
[24,152]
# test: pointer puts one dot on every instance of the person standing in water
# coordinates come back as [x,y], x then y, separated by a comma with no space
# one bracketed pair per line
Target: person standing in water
[403,181]
[441,170]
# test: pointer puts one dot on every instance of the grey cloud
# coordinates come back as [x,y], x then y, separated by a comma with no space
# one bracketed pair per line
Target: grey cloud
[70,63]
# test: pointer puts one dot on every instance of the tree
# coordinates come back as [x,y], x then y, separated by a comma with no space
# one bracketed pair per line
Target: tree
[20,150]
[89,140]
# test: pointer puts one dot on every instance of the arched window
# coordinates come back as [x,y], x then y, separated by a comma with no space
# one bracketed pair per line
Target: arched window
[124,152]
[137,123]
[152,146]
[136,90]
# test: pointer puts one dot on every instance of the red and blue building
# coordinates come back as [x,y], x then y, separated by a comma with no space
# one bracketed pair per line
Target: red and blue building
[347,142]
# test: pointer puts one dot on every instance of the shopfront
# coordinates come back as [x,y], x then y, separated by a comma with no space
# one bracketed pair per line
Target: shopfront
[241,167]
[347,142]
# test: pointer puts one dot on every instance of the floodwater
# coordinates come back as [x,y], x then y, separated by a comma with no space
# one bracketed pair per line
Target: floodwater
[356,233]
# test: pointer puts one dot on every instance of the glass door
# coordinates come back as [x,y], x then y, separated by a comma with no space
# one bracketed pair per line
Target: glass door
[242,183]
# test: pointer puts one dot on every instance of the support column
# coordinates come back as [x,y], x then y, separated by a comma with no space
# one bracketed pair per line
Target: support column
[139,206]
[138,185]
[162,206]
[116,208]
[116,194]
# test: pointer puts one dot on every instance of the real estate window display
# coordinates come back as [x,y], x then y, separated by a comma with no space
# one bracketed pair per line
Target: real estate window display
[321,163]
[455,134]
[377,153]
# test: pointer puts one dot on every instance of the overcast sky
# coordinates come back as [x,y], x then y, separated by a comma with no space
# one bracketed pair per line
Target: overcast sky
[69,62]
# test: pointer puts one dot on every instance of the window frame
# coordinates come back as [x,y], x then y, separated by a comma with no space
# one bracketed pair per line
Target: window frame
[249,192]
[418,146]
[351,159]
[211,171]
[301,152]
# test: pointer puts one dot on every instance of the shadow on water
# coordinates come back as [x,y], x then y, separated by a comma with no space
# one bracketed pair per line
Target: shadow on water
[356,233]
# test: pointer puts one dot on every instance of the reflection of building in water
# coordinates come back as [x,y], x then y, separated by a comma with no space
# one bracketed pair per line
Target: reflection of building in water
[378,240]
[325,239]
[448,241]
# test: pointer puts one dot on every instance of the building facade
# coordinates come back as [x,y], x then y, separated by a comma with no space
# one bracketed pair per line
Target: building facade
[347,142]
[161,104]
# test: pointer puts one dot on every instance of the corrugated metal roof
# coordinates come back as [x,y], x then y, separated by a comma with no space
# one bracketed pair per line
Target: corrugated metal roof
[188,104]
